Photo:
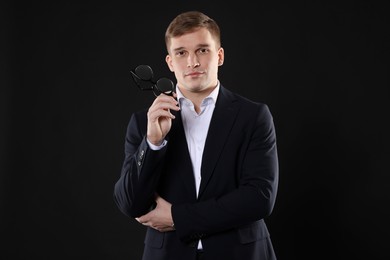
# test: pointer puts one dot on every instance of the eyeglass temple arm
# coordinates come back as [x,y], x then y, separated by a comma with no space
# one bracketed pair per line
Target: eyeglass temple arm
[137,80]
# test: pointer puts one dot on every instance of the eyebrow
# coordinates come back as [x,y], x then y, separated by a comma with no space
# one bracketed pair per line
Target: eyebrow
[199,46]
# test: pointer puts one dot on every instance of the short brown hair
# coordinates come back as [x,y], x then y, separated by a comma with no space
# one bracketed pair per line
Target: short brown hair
[190,21]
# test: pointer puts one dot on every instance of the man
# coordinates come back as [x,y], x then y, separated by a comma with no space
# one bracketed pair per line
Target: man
[201,166]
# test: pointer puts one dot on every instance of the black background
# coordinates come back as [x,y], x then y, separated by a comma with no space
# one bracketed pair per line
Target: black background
[66,98]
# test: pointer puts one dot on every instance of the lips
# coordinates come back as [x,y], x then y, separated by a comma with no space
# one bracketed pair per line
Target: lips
[194,73]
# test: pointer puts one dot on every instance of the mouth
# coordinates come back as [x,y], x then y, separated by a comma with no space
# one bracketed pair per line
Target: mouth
[194,73]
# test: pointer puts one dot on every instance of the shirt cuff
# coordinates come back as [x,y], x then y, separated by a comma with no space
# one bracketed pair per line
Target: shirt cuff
[156,147]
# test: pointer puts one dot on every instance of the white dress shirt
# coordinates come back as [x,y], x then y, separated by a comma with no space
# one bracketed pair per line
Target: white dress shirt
[196,127]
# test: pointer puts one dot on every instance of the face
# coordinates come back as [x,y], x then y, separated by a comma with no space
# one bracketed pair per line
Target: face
[194,58]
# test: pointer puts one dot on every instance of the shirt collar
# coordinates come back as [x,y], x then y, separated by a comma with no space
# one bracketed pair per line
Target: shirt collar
[213,95]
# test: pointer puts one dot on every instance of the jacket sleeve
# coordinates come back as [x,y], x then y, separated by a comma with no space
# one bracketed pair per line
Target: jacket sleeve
[134,191]
[252,200]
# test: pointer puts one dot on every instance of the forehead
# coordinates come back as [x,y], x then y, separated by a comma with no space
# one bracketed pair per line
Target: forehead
[193,40]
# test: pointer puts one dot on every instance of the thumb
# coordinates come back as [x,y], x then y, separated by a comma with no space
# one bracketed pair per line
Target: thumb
[140,219]
[159,199]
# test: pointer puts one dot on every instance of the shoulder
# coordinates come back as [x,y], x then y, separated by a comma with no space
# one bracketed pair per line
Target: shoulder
[253,115]
[140,113]
[244,102]
[138,120]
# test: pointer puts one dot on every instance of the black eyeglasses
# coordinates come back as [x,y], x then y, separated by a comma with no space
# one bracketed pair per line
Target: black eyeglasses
[143,78]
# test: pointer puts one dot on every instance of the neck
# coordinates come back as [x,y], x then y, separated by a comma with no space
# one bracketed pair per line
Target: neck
[196,97]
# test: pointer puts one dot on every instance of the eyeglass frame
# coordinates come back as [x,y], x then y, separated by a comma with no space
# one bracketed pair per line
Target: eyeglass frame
[154,85]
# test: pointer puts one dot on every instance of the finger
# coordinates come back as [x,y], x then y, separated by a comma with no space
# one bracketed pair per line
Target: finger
[155,115]
[165,100]
[160,200]
[143,223]
[142,219]
[172,103]
[167,97]
[163,106]
[165,229]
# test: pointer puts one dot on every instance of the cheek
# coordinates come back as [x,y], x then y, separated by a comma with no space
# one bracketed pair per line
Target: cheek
[213,64]
[179,66]
[178,74]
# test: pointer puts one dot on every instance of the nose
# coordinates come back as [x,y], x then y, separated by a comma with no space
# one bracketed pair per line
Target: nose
[195,65]
[193,62]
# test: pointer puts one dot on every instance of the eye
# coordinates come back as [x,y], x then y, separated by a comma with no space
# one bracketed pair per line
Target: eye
[180,53]
[203,50]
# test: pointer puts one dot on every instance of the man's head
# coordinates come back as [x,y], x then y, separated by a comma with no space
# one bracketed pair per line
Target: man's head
[189,22]
[194,52]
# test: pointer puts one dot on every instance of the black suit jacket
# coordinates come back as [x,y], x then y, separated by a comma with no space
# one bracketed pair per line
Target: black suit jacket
[237,191]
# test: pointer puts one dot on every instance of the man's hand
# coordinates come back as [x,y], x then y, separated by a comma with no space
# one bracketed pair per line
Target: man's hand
[159,218]
[160,118]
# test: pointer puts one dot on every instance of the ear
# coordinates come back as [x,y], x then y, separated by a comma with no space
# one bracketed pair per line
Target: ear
[168,60]
[221,56]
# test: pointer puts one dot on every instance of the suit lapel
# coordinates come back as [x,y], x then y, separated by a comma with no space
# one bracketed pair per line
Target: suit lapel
[225,112]
[178,143]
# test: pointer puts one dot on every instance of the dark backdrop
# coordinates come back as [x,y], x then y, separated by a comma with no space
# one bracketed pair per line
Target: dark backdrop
[66,99]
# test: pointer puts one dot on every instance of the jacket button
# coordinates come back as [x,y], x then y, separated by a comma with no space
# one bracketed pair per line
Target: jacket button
[141,154]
